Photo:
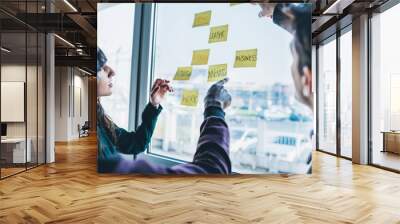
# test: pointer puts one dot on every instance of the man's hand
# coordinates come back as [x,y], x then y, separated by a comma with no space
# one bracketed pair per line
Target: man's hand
[218,96]
[267,9]
[158,91]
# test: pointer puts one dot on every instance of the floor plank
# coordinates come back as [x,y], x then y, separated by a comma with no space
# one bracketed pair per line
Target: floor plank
[70,191]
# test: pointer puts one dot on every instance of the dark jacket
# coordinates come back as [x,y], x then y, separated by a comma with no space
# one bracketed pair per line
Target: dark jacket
[212,153]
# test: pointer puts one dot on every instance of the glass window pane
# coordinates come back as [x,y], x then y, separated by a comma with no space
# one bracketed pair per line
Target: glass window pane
[346,94]
[32,86]
[119,54]
[13,86]
[268,127]
[41,98]
[327,96]
[385,89]
[32,98]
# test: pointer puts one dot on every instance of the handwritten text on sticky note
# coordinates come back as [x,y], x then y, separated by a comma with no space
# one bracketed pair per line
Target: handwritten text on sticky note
[190,98]
[200,57]
[183,73]
[217,72]
[246,58]
[218,34]
[202,19]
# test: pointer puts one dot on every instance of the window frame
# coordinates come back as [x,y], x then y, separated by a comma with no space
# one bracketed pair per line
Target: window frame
[142,73]
[342,32]
[42,37]
[333,37]
[336,36]
[379,10]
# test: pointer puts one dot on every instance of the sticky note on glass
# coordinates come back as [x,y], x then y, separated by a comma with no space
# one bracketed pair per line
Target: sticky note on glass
[217,72]
[190,98]
[218,34]
[200,57]
[183,73]
[202,19]
[245,58]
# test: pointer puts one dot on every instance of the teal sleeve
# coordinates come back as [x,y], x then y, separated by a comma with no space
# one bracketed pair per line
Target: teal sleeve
[214,111]
[138,141]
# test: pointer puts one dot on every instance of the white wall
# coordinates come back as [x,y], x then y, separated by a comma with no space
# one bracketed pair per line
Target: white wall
[61,103]
[34,125]
[12,73]
[70,83]
[80,89]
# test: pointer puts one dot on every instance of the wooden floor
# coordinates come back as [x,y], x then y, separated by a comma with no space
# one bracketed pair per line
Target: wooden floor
[70,191]
[10,171]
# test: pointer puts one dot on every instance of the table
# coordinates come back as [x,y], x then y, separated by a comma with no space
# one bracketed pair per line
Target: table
[391,141]
[13,150]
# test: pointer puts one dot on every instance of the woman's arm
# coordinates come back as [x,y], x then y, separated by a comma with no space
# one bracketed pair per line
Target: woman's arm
[137,141]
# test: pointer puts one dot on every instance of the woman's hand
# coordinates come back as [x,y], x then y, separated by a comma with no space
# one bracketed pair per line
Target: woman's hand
[158,91]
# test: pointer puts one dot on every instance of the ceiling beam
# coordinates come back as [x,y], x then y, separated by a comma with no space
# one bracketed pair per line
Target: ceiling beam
[81,61]
[331,12]
[320,22]
[338,6]
[86,27]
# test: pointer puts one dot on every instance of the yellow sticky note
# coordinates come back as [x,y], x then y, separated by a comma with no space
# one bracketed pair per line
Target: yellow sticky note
[202,19]
[200,57]
[190,98]
[245,58]
[217,72]
[183,73]
[218,34]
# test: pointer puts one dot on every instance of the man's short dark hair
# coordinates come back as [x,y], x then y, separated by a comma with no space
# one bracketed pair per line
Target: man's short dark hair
[299,24]
[302,45]
[302,36]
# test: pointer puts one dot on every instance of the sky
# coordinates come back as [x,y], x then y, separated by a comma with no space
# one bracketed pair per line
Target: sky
[114,37]
[176,40]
